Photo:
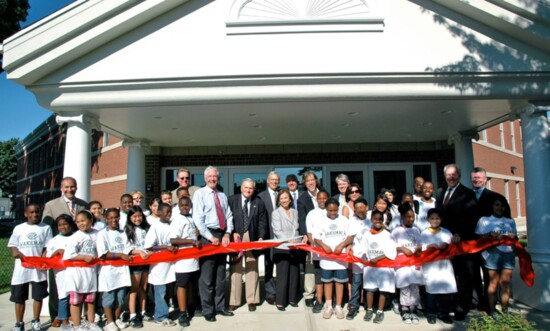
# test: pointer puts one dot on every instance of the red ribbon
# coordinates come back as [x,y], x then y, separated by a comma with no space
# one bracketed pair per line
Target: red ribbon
[430,255]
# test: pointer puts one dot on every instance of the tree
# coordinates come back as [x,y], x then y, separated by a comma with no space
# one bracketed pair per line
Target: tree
[12,13]
[8,166]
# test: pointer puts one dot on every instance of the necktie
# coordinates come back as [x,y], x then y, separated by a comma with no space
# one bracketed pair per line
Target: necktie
[478,193]
[219,211]
[274,199]
[70,204]
[295,197]
[245,215]
[447,197]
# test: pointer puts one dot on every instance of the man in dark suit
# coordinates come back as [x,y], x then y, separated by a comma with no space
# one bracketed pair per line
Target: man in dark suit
[68,204]
[485,200]
[269,198]
[306,203]
[250,224]
[459,207]
[292,184]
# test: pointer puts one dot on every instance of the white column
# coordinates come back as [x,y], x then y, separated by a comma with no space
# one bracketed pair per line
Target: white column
[464,153]
[135,178]
[77,162]
[536,159]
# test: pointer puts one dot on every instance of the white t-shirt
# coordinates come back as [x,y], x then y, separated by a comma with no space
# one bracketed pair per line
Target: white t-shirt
[160,273]
[373,246]
[122,221]
[332,232]
[30,240]
[58,242]
[81,279]
[182,227]
[100,225]
[439,276]
[152,219]
[358,228]
[112,277]
[407,238]
[502,225]
[139,241]
[421,222]
[313,219]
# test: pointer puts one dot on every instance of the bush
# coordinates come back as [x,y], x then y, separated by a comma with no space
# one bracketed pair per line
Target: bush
[506,322]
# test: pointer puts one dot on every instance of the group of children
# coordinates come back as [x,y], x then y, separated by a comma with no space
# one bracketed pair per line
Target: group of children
[127,232]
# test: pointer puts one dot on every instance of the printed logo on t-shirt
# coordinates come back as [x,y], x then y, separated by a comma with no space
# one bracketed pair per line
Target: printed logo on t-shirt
[88,247]
[33,240]
[118,240]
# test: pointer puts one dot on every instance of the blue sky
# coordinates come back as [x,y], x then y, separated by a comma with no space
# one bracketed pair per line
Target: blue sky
[20,111]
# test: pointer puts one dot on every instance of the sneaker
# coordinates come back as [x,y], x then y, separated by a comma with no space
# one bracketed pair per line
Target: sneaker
[414,318]
[317,307]
[125,316]
[36,326]
[165,322]
[67,327]
[121,324]
[379,317]
[183,320]
[328,312]
[395,304]
[97,318]
[368,315]
[19,327]
[111,327]
[352,312]
[135,322]
[147,317]
[91,326]
[339,312]
[406,317]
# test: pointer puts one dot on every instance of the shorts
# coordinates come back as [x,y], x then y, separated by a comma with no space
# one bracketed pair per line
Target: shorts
[138,269]
[339,276]
[317,272]
[382,279]
[498,260]
[114,298]
[77,298]
[184,278]
[20,292]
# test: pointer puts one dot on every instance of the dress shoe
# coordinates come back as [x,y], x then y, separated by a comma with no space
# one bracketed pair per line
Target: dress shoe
[210,317]
[281,308]
[251,307]
[225,313]
[448,320]
[56,323]
[271,301]
[309,303]
[232,308]
[293,304]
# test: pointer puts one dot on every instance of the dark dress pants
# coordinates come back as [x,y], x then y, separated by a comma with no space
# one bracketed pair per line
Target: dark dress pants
[212,279]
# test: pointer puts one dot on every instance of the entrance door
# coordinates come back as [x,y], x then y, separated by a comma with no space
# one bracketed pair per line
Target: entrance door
[398,177]
[356,174]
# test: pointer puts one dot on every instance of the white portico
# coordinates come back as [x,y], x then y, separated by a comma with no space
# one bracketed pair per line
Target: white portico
[401,75]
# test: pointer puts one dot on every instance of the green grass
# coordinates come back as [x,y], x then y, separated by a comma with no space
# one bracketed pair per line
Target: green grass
[6,266]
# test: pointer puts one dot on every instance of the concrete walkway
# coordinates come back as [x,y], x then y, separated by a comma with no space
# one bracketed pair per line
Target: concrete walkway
[268,318]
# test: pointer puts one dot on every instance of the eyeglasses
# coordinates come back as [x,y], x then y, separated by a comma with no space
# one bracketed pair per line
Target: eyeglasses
[183,178]
[355,191]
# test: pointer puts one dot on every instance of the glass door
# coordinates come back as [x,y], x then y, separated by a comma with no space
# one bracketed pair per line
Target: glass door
[258,174]
[398,177]
[356,174]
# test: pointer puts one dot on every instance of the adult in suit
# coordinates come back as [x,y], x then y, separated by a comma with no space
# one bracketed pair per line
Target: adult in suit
[269,198]
[307,202]
[214,220]
[68,204]
[459,208]
[250,221]
[485,200]
[292,184]
[183,178]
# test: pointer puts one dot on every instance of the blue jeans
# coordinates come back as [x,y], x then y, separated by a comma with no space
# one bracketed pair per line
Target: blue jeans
[356,287]
[161,307]
[63,309]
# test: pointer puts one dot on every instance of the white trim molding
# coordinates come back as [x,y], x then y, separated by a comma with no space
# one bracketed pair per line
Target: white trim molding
[109,180]
[494,175]
[496,147]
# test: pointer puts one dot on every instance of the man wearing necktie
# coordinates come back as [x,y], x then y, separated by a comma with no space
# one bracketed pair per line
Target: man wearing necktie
[214,220]
[250,220]
[292,184]
[459,208]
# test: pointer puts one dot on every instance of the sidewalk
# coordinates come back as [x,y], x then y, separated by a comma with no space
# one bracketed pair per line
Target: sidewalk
[268,318]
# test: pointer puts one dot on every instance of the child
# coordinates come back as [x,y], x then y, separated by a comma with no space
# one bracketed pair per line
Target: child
[376,245]
[183,234]
[407,279]
[359,225]
[126,202]
[56,246]
[161,274]
[113,280]
[81,282]
[166,197]
[28,239]
[312,220]
[134,240]
[439,276]
[153,217]
[180,193]
[500,260]
[425,203]
[96,208]
[332,236]
[382,204]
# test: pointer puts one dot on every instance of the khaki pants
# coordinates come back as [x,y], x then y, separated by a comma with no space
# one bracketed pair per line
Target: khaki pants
[252,283]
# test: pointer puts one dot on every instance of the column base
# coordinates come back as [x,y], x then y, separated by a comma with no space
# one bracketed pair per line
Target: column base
[537,296]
